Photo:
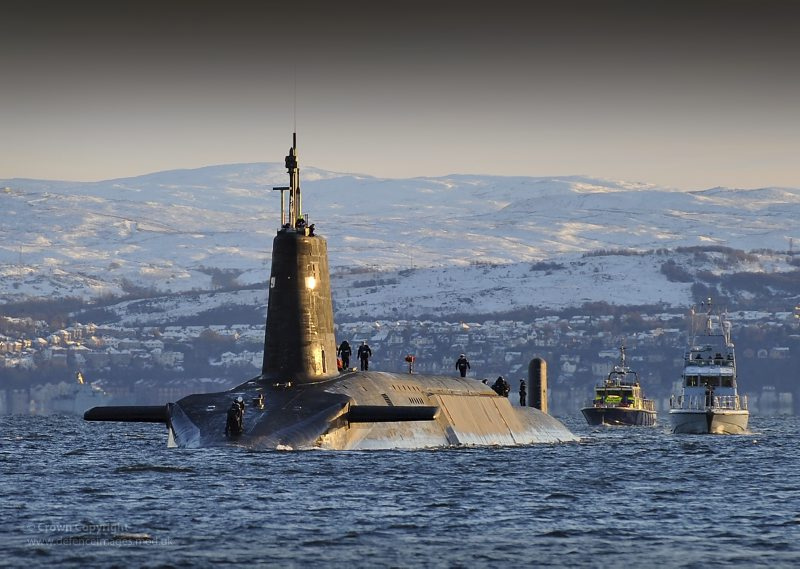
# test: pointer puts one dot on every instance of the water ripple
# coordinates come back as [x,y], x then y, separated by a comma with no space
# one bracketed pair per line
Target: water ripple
[152,468]
[615,498]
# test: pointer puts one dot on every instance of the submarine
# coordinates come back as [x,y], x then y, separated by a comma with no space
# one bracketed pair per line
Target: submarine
[302,400]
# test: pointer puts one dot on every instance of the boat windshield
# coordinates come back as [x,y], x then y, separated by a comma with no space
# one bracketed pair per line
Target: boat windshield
[614,397]
[712,381]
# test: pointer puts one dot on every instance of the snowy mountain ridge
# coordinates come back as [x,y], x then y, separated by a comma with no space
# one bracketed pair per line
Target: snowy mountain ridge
[181,230]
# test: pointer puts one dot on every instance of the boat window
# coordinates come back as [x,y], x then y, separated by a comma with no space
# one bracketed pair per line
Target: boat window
[691,381]
[727,381]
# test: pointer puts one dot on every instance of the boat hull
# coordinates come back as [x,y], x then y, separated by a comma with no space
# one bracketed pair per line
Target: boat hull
[709,421]
[619,416]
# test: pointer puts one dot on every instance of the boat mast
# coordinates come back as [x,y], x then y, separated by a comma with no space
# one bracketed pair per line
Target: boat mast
[709,316]
[725,326]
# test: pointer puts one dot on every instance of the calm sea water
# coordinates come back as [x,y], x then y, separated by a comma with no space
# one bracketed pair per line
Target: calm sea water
[78,494]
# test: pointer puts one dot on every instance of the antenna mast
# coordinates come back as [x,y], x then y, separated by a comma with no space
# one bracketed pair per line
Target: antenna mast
[295,210]
[295,204]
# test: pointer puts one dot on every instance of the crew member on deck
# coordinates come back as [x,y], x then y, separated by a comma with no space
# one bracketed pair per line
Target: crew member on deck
[364,353]
[523,391]
[501,386]
[344,352]
[234,420]
[462,364]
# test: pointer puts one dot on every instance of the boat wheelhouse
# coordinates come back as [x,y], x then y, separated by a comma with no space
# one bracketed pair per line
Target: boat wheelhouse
[619,399]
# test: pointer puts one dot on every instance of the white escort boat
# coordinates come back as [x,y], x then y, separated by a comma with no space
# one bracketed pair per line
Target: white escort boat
[709,401]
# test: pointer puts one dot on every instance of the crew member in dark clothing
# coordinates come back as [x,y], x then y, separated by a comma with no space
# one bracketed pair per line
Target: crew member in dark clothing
[501,386]
[523,391]
[344,352]
[364,353]
[233,423]
[462,364]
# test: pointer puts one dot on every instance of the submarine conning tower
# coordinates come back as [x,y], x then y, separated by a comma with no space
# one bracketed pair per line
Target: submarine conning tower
[299,342]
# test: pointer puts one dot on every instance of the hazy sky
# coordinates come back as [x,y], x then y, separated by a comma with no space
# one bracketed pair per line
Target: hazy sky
[685,94]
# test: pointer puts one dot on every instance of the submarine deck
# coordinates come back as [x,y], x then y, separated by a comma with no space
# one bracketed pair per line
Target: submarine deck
[323,414]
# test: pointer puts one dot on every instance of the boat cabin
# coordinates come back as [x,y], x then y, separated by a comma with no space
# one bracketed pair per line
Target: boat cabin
[710,366]
[615,395]
[620,389]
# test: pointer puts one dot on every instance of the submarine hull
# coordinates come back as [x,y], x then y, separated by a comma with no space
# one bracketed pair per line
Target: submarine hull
[363,410]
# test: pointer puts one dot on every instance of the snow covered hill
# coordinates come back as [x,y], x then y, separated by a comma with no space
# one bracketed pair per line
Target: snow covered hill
[177,231]
[619,278]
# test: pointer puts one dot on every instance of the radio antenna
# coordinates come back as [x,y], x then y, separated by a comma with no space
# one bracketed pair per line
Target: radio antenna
[294,129]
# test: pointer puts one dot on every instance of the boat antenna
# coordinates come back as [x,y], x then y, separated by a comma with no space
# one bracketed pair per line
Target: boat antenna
[725,324]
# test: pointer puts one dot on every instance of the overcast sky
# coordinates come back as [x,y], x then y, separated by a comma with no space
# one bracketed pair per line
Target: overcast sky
[684,94]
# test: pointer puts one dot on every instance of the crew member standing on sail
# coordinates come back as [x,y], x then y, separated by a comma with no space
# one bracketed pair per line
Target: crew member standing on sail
[364,353]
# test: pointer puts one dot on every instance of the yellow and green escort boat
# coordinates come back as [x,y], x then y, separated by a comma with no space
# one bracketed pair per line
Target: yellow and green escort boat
[619,400]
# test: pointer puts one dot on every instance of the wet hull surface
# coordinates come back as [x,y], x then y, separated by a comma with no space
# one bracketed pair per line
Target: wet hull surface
[721,422]
[323,415]
[618,416]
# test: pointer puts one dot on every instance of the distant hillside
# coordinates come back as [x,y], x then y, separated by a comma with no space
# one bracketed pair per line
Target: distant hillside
[431,245]
[591,284]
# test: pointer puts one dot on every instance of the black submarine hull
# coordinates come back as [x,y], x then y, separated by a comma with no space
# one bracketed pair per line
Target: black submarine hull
[363,410]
